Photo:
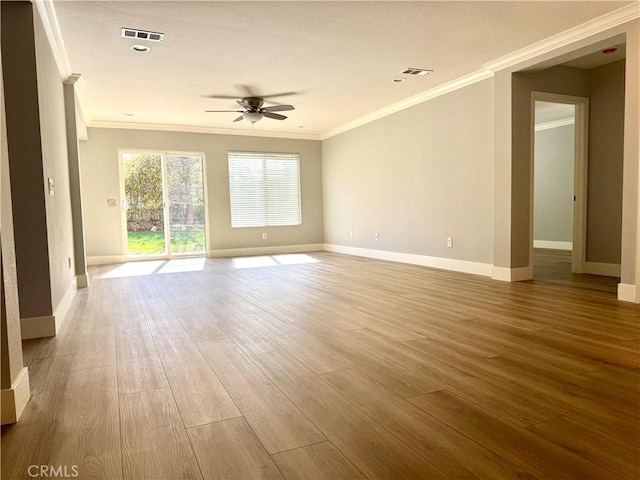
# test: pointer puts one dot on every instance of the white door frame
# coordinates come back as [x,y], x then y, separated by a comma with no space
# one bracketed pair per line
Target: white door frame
[165,208]
[580,172]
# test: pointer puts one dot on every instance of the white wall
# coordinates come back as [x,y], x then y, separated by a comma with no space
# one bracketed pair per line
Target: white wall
[416,177]
[100,181]
[55,165]
[553,184]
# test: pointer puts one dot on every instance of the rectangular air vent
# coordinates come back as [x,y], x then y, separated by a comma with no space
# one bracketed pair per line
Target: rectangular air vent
[141,34]
[417,71]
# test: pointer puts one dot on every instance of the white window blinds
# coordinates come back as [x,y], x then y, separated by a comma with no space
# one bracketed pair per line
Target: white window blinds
[264,189]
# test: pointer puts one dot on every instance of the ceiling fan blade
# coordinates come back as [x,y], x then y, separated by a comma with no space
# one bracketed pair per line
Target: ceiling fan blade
[239,118]
[222,97]
[275,116]
[282,94]
[244,104]
[217,111]
[278,108]
[251,91]
[247,90]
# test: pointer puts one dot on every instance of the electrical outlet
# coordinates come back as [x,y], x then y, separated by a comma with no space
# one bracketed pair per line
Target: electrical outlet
[264,236]
[335,233]
[450,242]
[376,237]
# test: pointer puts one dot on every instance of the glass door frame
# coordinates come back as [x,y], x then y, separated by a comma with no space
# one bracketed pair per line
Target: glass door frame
[168,255]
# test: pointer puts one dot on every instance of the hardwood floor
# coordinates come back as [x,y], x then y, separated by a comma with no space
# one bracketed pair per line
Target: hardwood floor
[324,366]
[554,267]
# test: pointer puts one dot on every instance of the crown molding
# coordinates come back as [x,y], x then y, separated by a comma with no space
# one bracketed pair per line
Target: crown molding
[443,89]
[52,29]
[555,124]
[81,96]
[49,19]
[195,129]
[587,29]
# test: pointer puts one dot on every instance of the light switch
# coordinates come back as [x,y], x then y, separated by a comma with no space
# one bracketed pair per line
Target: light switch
[50,186]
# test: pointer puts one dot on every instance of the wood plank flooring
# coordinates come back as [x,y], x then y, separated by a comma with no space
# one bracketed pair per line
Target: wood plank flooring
[326,366]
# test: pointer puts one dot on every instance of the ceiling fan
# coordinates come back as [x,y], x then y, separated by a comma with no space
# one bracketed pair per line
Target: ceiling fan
[254,111]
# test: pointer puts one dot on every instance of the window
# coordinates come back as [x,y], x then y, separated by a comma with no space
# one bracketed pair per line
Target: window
[264,189]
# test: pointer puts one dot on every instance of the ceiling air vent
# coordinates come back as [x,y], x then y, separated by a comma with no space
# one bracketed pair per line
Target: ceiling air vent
[141,34]
[416,71]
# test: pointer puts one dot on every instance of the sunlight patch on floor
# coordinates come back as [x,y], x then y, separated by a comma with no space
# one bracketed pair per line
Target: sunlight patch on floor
[197,264]
[273,261]
[154,267]
[295,259]
[183,265]
[133,269]
[254,262]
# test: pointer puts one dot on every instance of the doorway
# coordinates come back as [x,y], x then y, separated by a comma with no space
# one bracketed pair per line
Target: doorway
[164,207]
[559,176]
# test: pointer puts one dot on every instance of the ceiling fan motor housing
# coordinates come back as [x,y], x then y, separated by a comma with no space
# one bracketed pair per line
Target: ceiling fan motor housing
[254,102]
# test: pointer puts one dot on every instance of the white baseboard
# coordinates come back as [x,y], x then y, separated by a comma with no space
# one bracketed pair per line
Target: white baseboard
[47,326]
[63,307]
[274,250]
[627,293]
[14,399]
[105,259]
[38,327]
[512,274]
[82,281]
[604,269]
[553,245]
[463,266]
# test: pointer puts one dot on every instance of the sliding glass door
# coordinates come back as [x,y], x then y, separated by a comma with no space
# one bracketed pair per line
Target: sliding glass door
[185,192]
[143,205]
[164,205]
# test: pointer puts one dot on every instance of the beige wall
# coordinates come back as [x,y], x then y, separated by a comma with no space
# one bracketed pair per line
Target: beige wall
[11,342]
[606,155]
[25,159]
[416,177]
[631,169]
[55,165]
[100,181]
[36,131]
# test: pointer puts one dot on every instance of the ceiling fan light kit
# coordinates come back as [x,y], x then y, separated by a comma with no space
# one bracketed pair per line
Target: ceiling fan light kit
[252,117]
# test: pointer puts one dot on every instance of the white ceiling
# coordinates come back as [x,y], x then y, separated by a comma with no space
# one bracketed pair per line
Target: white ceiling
[598,58]
[547,112]
[338,56]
